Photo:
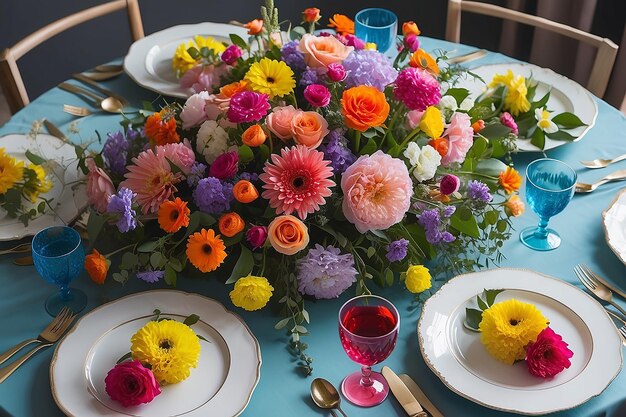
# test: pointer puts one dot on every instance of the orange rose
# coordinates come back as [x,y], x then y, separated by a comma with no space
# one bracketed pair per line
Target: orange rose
[309,128]
[364,107]
[279,121]
[245,192]
[478,125]
[287,234]
[441,145]
[510,180]
[410,28]
[97,267]
[311,15]
[254,136]
[231,89]
[342,24]
[321,51]
[422,59]
[230,224]
[254,26]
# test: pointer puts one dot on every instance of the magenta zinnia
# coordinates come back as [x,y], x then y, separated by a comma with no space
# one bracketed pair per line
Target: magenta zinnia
[248,106]
[417,89]
[548,355]
[297,181]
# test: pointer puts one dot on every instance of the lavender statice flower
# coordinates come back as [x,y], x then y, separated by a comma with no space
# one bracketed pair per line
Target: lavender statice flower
[478,191]
[151,276]
[309,76]
[369,67]
[396,250]
[434,226]
[325,273]
[197,172]
[115,152]
[292,55]
[122,204]
[212,196]
[337,152]
[249,176]
[448,211]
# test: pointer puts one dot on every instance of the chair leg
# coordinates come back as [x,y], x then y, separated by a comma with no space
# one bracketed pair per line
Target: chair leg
[12,84]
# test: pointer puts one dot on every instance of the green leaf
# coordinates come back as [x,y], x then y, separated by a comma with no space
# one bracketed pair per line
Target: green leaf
[230,241]
[243,267]
[41,207]
[156,313]
[480,112]
[282,323]
[389,277]
[129,260]
[568,120]
[157,260]
[124,358]
[459,94]
[371,251]
[305,315]
[203,338]
[175,264]
[206,219]
[170,275]
[193,52]
[341,239]
[175,168]
[245,154]
[464,213]
[473,317]
[524,124]
[369,148]
[491,295]
[491,167]
[238,40]
[35,159]
[495,131]
[148,247]
[492,216]
[191,319]
[95,223]
[381,234]
[538,138]
[468,226]
[502,225]
[478,148]
[481,303]
[541,103]
[561,135]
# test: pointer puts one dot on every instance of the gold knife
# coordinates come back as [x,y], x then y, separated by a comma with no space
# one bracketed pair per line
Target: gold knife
[611,287]
[402,394]
[421,397]
[54,131]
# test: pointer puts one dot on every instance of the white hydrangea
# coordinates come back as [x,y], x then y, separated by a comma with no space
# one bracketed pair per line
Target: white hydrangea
[466,104]
[427,162]
[448,102]
[212,140]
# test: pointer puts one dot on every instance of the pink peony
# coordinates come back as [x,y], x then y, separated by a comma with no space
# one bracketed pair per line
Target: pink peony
[203,77]
[130,383]
[413,118]
[99,187]
[548,355]
[317,95]
[248,106]
[180,154]
[417,88]
[308,128]
[224,166]
[194,113]
[460,137]
[279,121]
[321,51]
[449,184]
[256,236]
[231,55]
[507,120]
[336,72]
[351,40]
[412,42]
[377,192]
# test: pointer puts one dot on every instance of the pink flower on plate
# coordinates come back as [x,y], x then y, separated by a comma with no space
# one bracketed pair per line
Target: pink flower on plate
[460,137]
[99,187]
[377,192]
[194,112]
[203,77]
[548,355]
[256,236]
[225,166]
[507,120]
[130,383]
[180,154]
[279,121]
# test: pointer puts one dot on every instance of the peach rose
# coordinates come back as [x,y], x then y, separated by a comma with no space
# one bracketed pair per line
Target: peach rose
[288,235]
[230,224]
[254,136]
[309,128]
[279,122]
[320,51]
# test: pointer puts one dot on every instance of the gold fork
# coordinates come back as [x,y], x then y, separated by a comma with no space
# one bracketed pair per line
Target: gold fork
[600,290]
[76,110]
[48,337]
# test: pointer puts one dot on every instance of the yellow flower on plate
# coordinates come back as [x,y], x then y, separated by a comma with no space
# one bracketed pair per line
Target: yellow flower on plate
[502,79]
[270,77]
[36,183]
[418,279]
[11,171]
[544,121]
[432,122]
[170,347]
[182,61]
[515,101]
[508,326]
[251,293]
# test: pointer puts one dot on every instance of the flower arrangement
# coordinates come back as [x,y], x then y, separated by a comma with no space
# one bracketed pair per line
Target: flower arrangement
[514,331]
[162,352]
[305,166]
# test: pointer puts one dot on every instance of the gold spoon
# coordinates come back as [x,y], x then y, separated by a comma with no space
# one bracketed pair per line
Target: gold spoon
[620,175]
[108,104]
[601,163]
[325,396]
[24,247]
[25,261]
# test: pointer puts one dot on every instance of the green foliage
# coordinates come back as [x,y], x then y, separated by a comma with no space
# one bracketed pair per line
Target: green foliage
[473,316]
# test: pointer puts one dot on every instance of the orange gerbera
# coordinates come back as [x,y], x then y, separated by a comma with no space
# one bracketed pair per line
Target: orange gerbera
[173,215]
[230,224]
[441,145]
[245,192]
[254,26]
[364,107]
[422,59]
[342,24]
[510,180]
[97,267]
[161,128]
[231,89]
[206,250]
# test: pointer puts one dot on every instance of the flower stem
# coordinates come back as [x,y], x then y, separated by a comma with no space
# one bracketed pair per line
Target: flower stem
[119,250]
[357,142]
[477,174]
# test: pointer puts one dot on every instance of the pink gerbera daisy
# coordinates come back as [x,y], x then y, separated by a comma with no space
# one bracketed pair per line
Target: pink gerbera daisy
[297,181]
[152,179]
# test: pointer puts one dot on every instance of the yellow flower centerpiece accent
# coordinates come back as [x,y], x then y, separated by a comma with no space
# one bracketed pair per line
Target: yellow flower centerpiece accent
[508,326]
[270,77]
[37,183]
[516,100]
[418,279]
[251,293]
[183,61]
[11,171]
[432,122]
[169,347]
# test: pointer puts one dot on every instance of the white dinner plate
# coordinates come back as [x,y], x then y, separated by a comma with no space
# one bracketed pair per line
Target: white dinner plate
[221,385]
[68,198]
[149,60]
[456,355]
[565,95]
[614,220]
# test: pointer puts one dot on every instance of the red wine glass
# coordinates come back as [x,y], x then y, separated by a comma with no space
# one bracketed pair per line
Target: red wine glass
[368,329]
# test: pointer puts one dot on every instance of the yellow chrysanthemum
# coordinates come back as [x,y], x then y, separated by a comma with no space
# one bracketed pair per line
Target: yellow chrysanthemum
[502,79]
[36,184]
[11,171]
[418,279]
[169,347]
[182,61]
[432,122]
[251,293]
[515,101]
[508,326]
[270,77]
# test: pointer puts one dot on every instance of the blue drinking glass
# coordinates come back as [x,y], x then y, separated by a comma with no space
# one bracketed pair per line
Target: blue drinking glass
[550,185]
[59,258]
[379,26]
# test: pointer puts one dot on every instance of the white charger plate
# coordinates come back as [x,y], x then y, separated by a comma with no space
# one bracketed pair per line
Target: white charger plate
[149,60]
[456,355]
[68,202]
[566,95]
[220,386]
[614,221]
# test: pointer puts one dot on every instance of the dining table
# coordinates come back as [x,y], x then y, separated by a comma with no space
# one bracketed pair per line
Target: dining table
[283,390]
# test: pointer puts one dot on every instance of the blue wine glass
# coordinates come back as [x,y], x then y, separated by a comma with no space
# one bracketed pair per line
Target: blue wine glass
[59,258]
[379,26]
[550,185]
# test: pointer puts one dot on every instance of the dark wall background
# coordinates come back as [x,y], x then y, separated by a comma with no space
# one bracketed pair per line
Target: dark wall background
[106,38]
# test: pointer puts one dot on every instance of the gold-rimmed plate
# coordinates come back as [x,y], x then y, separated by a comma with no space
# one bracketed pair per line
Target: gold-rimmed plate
[221,385]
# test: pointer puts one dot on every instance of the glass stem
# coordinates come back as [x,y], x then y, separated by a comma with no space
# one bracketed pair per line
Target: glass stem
[542,228]
[65,293]
[366,372]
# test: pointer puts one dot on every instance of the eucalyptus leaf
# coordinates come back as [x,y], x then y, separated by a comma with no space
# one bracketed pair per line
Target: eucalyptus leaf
[538,138]
[148,247]
[388,277]
[561,135]
[35,159]
[371,251]
[238,40]
[483,306]
[282,323]
[491,295]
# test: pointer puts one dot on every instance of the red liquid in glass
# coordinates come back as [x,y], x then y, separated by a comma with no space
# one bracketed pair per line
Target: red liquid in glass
[367,325]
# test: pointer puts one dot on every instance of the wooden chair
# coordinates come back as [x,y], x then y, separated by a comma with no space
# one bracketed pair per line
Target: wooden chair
[606,49]
[10,77]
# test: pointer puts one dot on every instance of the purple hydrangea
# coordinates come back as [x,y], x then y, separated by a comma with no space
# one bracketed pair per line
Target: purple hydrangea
[369,67]
[478,191]
[337,152]
[396,250]
[249,176]
[197,172]
[449,211]
[292,55]
[325,273]
[309,76]
[212,196]
[122,204]
[151,276]
[434,226]
[115,152]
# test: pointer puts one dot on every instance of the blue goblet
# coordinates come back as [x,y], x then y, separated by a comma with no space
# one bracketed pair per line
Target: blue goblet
[550,185]
[379,26]
[59,258]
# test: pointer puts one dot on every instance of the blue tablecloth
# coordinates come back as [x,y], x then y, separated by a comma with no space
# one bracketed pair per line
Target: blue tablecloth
[282,391]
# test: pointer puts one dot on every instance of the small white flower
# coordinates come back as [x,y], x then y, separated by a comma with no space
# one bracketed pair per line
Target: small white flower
[428,161]
[212,140]
[448,102]
[544,121]
[412,153]
[466,104]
